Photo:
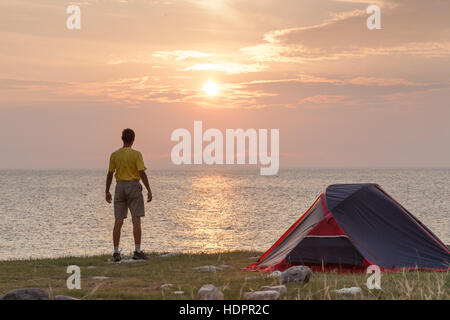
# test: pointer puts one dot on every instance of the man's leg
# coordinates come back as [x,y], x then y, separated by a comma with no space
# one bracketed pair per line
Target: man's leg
[137,232]
[116,232]
[120,213]
[138,254]
[137,208]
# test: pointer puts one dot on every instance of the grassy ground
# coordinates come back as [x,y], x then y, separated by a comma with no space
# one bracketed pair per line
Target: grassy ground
[142,280]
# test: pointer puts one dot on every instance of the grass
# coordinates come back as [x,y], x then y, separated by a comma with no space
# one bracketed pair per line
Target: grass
[142,280]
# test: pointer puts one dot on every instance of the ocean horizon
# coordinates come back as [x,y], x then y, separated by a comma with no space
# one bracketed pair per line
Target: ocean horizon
[62,212]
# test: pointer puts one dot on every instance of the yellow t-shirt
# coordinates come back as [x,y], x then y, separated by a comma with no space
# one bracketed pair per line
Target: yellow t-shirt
[127,163]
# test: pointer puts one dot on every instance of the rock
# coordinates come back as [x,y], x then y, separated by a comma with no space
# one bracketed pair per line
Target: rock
[100,278]
[262,295]
[207,268]
[225,266]
[126,261]
[275,274]
[131,261]
[166,286]
[169,254]
[178,292]
[26,294]
[280,289]
[352,290]
[64,298]
[209,292]
[297,274]
[251,278]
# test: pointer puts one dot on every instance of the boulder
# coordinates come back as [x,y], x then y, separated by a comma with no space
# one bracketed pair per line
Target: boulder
[26,294]
[280,289]
[209,292]
[262,295]
[296,274]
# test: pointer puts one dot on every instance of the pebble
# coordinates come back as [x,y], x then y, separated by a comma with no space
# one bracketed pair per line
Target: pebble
[169,254]
[100,278]
[166,286]
[262,295]
[209,292]
[280,289]
[352,290]
[296,274]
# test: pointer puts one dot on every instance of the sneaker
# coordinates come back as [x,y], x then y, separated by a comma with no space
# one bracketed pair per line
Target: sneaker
[140,255]
[117,257]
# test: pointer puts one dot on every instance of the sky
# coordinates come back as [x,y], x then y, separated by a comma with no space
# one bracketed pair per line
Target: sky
[340,94]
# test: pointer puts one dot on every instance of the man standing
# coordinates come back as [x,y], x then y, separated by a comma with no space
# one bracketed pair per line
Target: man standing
[129,167]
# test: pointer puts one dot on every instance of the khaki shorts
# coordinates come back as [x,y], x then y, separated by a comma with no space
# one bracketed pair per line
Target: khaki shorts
[128,195]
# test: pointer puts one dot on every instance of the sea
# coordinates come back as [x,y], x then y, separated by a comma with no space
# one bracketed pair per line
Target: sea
[54,213]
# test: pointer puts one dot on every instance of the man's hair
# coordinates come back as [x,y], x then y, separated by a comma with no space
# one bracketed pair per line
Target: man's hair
[128,135]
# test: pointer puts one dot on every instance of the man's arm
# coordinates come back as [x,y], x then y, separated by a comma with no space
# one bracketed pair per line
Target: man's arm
[146,184]
[109,178]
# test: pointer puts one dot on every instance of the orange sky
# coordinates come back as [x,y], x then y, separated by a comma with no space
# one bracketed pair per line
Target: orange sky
[341,95]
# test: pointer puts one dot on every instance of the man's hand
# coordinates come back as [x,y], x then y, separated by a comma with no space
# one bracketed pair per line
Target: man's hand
[109,178]
[108,197]
[146,184]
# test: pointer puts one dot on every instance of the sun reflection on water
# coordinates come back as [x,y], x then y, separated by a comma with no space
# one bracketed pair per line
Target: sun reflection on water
[209,214]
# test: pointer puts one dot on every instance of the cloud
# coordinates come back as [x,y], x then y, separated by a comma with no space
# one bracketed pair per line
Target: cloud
[305,90]
[413,27]
[291,66]
[20,84]
[159,56]
[373,81]
[180,55]
[359,81]
[227,67]
[326,101]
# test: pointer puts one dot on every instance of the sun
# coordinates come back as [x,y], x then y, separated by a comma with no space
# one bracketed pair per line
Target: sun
[211,88]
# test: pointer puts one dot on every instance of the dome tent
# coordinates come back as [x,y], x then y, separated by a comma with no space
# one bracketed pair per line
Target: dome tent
[352,226]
